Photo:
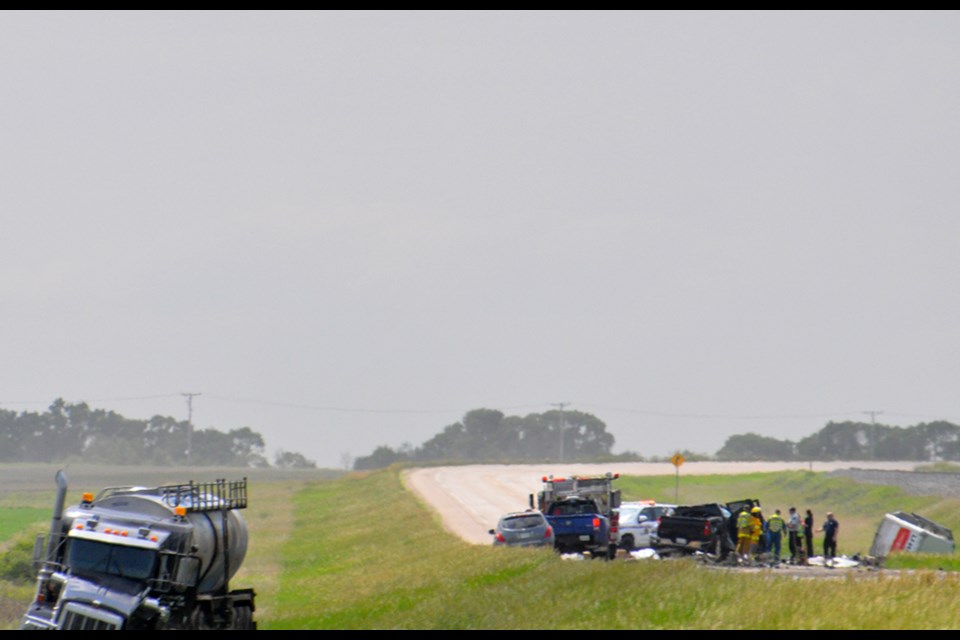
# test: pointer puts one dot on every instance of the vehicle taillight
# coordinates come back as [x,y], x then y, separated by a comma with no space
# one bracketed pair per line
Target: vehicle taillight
[500,538]
[706,529]
[548,532]
[596,523]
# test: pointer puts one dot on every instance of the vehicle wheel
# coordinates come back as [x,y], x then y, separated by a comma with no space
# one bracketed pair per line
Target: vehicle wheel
[626,543]
[243,617]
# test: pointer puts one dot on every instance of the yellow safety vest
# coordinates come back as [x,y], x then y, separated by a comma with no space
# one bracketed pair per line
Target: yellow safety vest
[775,524]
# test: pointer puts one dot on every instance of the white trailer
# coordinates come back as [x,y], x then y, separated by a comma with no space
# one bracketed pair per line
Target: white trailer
[901,532]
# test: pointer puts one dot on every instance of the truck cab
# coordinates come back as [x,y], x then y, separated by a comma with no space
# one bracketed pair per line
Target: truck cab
[583,513]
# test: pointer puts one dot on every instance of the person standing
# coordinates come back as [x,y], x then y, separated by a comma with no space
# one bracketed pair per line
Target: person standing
[744,535]
[830,530]
[808,532]
[756,517]
[775,527]
[793,526]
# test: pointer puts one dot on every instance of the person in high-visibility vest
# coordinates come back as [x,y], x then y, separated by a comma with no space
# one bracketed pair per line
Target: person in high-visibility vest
[775,527]
[744,534]
[756,516]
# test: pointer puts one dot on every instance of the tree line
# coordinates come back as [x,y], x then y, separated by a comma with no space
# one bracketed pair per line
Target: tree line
[488,435]
[66,432]
[931,441]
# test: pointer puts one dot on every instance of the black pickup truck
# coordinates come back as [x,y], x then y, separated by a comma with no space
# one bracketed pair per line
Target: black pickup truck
[710,528]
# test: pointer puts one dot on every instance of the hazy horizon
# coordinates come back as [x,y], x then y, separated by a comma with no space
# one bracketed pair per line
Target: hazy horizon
[349,228]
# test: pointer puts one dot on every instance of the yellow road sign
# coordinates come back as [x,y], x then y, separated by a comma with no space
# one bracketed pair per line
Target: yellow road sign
[677,460]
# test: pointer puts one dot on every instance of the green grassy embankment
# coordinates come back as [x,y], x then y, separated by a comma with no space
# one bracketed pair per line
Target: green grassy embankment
[360,552]
[366,555]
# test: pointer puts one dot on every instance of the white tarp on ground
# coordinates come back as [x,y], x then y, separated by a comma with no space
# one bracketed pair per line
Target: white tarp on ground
[842,562]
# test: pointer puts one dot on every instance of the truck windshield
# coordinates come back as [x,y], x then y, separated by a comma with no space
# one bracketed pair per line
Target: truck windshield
[89,556]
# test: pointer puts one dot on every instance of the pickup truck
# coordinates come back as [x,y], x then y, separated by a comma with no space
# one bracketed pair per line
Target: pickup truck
[710,528]
[579,526]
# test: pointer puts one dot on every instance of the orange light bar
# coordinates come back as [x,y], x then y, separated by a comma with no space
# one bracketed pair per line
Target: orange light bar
[87,497]
[180,511]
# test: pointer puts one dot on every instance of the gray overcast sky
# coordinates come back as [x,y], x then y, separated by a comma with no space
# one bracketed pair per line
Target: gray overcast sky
[349,229]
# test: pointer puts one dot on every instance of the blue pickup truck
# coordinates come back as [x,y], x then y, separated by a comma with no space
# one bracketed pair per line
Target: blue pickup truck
[583,513]
[579,526]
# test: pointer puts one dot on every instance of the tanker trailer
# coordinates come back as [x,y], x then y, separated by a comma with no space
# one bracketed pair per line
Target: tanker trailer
[144,558]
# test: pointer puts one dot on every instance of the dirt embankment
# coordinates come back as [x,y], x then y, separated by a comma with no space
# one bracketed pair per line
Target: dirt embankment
[921,484]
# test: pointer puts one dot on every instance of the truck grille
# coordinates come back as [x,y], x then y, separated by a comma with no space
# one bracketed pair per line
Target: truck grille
[79,617]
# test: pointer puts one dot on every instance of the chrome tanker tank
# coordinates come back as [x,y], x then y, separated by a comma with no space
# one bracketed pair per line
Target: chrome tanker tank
[144,558]
[208,525]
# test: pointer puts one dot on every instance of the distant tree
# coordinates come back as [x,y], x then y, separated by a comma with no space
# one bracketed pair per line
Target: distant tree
[381,457]
[290,460]
[11,437]
[839,441]
[752,446]
[77,431]
[487,435]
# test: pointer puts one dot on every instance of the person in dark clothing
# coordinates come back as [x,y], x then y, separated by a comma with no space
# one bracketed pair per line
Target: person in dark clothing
[794,526]
[808,532]
[830,530]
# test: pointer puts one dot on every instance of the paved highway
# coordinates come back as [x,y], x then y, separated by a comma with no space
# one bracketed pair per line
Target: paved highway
[470,499]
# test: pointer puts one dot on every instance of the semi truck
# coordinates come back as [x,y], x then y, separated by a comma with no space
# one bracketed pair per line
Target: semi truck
[143,558]
[583,513]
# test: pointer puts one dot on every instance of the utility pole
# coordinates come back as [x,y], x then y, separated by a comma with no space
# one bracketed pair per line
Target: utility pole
[873,432]
[189,397]
[561,405]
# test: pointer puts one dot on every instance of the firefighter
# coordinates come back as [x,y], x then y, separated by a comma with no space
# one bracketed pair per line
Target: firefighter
[756,519]
[744,534]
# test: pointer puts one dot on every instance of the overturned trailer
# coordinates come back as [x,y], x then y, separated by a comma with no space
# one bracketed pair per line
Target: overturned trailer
[907,532]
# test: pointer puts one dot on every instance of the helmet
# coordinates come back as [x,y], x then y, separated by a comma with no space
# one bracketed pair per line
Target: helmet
[755,510]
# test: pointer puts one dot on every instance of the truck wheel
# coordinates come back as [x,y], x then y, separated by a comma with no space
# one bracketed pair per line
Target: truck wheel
[243,617]
[626,542]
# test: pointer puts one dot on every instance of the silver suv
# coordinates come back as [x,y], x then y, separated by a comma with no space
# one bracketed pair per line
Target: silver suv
[638,520]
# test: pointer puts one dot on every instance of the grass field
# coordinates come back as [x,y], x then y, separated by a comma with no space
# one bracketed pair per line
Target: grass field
[359,552]
[14,520]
